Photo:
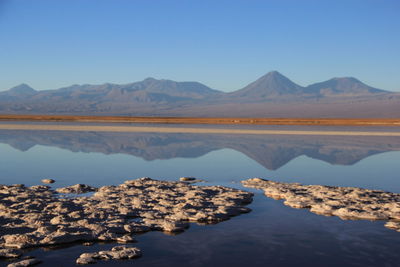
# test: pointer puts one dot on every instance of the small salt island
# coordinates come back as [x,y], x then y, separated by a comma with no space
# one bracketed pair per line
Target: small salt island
[348,203]
[38,216]
[48,181]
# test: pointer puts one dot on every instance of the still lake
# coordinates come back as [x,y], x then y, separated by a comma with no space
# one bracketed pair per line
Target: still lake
[270,235]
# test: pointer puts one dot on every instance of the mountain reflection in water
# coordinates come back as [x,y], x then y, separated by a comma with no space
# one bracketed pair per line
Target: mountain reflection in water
[271,151]
[271,234]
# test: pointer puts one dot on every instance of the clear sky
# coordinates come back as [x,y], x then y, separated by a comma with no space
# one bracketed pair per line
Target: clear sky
[224,44]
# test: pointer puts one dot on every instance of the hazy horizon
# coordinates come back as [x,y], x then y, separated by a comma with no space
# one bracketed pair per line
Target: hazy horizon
[225,45]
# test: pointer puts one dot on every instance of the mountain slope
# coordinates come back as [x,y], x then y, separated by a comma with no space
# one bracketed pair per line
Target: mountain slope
[346,86]
[172,88]
[22,91]
[273,84]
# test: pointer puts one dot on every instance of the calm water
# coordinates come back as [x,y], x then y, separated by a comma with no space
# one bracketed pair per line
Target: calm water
[271,235]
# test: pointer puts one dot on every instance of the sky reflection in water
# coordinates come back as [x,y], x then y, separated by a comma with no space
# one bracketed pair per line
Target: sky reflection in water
[272,234]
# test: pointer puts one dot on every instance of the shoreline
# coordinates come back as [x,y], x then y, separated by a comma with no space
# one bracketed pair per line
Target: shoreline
[156,129]
[206,120]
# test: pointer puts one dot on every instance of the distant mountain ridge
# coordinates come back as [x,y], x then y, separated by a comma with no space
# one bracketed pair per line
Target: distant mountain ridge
[270,94]
[149,86]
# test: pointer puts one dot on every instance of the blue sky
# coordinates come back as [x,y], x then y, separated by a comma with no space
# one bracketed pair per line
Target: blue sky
[223,44]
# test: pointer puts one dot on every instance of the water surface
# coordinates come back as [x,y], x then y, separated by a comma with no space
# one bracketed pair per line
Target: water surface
[272,234]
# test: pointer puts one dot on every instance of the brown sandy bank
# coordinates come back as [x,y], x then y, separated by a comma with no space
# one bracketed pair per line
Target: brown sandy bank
[198,120]
[154,129]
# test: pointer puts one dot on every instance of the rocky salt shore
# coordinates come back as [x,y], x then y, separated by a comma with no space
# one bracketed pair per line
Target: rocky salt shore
[116,253]
[348,203]
[39,216]
[25,262]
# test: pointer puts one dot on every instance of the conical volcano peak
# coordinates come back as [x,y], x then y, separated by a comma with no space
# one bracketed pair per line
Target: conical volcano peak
[271,84]
[277,77]
[22,88]
[274,73]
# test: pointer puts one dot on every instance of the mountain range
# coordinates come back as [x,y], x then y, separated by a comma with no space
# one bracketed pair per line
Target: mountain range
[272,152]
[272,95]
